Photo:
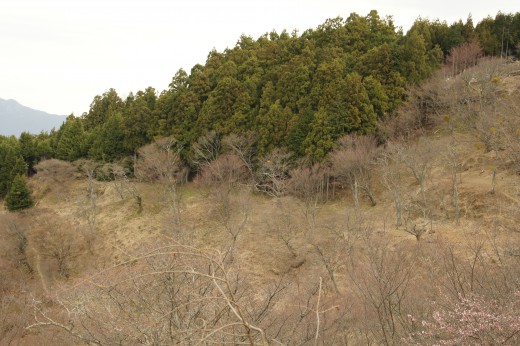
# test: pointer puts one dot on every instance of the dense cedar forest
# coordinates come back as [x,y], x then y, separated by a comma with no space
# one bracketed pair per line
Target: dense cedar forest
[287,91]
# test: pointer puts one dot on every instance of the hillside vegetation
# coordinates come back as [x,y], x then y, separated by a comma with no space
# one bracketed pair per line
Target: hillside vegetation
[384,245]
[394,223]
[290,91]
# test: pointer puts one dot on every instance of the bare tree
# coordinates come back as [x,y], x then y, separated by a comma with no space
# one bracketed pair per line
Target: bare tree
[120,179]
[420,158]
[383,280]
[428,103]
[180,294]
[273,173]
[232,211]
[206,149]
[352,162]
[227,169]
[244,147]
[161,162]
[488,131]
[417,232]
[392,179]
[52,177]
[466,55]
[283,223]
[510,126]
[481,83]
[454,165]
[90,206]
[308,184]
[58,243]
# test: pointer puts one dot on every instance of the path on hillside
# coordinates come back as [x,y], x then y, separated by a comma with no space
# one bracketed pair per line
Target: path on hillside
[37,267]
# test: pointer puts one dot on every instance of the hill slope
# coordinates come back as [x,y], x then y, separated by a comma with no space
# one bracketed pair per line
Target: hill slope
[16,118]
[419,236]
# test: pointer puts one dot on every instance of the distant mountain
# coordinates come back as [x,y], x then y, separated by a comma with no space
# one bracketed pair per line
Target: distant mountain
[16,118]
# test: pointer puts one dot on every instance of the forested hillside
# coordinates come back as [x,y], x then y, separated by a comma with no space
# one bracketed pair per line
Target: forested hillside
[350,185]
[290,91]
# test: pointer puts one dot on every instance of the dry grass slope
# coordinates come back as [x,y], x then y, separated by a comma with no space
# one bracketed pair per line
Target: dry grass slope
[336,271]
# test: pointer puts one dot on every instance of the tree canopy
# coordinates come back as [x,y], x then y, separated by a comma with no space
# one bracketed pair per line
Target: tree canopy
[290,91]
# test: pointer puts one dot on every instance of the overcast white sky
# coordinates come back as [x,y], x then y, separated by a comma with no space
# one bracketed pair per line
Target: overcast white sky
[56,55]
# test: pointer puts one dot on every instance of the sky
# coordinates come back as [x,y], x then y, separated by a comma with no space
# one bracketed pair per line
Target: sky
[56,55]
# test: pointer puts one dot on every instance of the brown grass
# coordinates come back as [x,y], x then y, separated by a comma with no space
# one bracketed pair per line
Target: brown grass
[277,242]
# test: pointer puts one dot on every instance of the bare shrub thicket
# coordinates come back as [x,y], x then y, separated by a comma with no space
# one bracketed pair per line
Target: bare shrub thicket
[464,56]
[56,170]
[272,174]
[352,163]
[309,185]
[59,246]
[205,150]
[373,289]
[459,99]
[419,158]
[493,123]
[14,230]
[231,210]
[16,272]
[182,295]
[227,161]
[510,128]
[52,176]
[227,169]
[498,129]
[481,84]
[161,162]
[392,178]
[384,281]
[427,104]
[244,147]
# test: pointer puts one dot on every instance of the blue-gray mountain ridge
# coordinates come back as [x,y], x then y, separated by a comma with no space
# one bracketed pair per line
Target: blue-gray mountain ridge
[16,118]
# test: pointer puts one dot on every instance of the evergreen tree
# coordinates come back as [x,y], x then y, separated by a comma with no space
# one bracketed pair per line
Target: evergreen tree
[418,58]
[19,196]
[322,136]
[107,141]
[44,145]
[72,141]
[101,108]
[137,122]
[29,150]
[274,127]
[11,164]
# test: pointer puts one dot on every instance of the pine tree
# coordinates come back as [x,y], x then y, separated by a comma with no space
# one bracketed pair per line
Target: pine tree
[19,196]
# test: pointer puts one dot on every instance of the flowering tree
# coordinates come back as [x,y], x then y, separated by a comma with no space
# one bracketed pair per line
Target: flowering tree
[474,320]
